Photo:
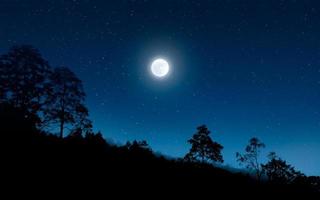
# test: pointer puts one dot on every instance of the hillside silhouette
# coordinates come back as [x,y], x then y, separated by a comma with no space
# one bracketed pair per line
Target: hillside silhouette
[34,97]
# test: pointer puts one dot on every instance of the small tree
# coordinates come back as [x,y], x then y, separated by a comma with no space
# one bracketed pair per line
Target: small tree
[203,148]
[251,156]
[139,149]
[277,170]
[95,139]
[67,102]
[137,145]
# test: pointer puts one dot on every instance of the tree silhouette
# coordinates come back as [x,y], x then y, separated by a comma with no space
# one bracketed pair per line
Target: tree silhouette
[251,156]
[277,170]
[139,150]
[24,78]
[29,89]
[66,99]
[96,140]
[138,146]
[203,148]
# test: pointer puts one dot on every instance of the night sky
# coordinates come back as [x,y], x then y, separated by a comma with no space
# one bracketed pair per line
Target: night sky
[243,68]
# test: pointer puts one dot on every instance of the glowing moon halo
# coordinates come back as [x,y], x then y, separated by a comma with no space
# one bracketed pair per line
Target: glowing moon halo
[160,68]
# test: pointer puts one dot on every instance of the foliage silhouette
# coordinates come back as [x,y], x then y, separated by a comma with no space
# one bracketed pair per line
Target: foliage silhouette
[66,102]
[277,170]
[55,96]
[203,149]
[24,78]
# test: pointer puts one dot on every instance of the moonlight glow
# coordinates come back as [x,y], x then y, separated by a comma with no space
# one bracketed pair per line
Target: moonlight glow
[160,68]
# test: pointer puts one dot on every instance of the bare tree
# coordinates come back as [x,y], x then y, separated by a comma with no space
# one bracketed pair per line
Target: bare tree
[250,158]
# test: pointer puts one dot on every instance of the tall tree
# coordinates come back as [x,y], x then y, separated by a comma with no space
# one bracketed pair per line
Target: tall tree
[277,170]
[203,148]
[67,102]
[251,156]
[24,77]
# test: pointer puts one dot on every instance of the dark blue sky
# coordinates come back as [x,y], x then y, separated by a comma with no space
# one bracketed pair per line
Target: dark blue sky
[244,68]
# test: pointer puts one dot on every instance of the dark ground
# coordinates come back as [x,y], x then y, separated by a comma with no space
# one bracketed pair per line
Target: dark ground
[35,163]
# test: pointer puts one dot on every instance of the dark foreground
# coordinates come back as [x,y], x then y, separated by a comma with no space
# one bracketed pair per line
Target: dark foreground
[35,163]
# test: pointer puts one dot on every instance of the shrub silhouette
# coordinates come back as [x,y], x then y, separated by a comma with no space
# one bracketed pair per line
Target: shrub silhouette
[277,170]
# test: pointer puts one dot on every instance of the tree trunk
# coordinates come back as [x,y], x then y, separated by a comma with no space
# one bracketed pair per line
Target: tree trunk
[62,112]
[61,128]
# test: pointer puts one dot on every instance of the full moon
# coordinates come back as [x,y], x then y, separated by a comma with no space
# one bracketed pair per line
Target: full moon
[160,68]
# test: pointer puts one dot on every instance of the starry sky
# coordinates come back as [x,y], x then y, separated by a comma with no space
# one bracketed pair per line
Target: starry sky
[243,67]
